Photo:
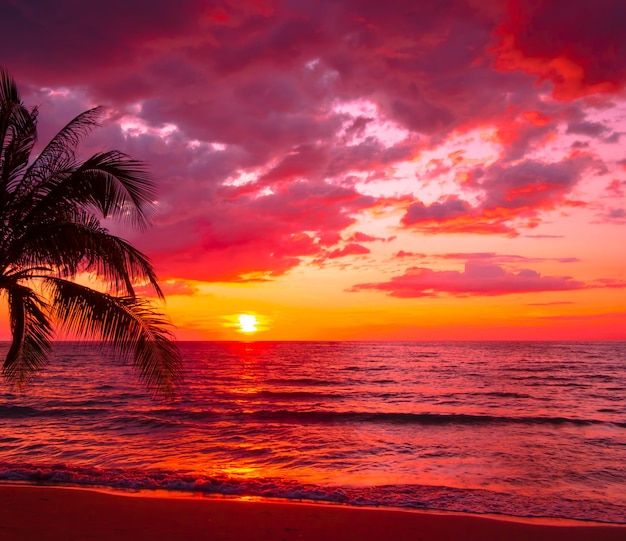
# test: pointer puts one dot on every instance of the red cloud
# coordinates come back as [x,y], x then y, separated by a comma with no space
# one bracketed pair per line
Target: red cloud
[268,75]
[349,249]
[478,278]
[578,46]
[444,211]
[500,258]
[401,254]
[263,79]
[257,236]
[357,236]
[617,188]
[529,185]
[508,192]
[518,137]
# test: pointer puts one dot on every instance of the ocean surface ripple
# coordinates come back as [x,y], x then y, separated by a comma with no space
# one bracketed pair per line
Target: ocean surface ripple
[518,428]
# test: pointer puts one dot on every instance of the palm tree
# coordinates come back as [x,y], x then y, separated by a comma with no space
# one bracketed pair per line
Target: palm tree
[51,208]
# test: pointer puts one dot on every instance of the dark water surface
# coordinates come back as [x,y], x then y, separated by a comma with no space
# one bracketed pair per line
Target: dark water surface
[520,428]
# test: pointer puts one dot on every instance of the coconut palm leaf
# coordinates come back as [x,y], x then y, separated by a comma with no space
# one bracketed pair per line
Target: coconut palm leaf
[31,332]
[51,231]
[114,184]
[118,186]
[18,146]
[81,245]
[60,152]
[11,107]
[131,325]
[18,132]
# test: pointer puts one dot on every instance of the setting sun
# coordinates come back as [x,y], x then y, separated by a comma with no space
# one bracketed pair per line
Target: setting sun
[247,323]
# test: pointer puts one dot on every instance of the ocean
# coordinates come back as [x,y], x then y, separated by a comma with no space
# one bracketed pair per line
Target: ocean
[530,429]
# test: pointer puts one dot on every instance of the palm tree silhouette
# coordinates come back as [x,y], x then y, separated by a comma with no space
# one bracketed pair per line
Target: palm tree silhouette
[51,210]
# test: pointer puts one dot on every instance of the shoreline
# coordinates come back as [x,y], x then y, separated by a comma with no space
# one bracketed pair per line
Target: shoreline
[29,512]
[160,493]
[203,496]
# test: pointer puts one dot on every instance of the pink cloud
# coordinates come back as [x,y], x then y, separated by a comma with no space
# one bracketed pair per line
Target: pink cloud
[519,137]
[348,249]
[265,236]
[501,258]
[357,236]
[402,254]
[591,129]
[507,193]
[262,79]
[617,188]
[612,216]
[447,210]
[480,278]
[528,185]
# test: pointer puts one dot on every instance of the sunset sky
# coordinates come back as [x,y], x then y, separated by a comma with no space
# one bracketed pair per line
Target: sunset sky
[357,169]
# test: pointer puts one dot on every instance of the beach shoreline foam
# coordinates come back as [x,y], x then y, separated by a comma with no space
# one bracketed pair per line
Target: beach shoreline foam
[61,513]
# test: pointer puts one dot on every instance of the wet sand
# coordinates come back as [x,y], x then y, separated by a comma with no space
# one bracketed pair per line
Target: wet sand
[51,513]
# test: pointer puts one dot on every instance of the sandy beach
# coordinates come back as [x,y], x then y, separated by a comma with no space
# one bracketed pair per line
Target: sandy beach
[51,513]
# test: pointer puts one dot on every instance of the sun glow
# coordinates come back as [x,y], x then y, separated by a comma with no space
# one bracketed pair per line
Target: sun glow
[247,323]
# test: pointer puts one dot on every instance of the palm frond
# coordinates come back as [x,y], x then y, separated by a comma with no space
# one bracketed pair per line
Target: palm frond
[137,331]
[9,102]
[32,334]
[81,245]
[18,143]
[50,230]
[118,186]
[18,133]
[112,183]
[8,89]
[60,153]
[117,262]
